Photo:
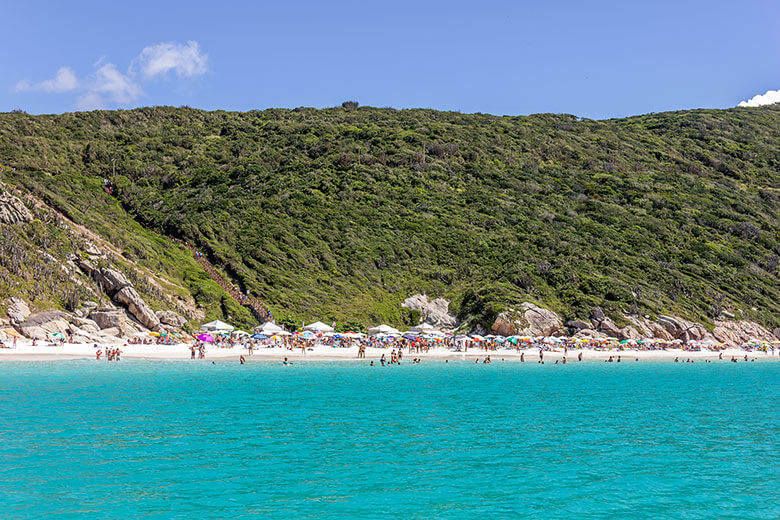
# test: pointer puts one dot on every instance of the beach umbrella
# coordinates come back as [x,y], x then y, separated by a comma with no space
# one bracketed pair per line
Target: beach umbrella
[477,338]
[12,332]
[207,338]
[258,336]
[58,335]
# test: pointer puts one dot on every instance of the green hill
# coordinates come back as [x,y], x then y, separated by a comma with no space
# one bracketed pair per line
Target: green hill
[342,213]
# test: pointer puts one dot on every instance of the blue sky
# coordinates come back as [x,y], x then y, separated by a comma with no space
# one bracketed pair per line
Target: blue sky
[593,59]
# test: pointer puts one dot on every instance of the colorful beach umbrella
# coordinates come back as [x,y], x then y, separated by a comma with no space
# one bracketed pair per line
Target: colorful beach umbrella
[207,338]
[12,332]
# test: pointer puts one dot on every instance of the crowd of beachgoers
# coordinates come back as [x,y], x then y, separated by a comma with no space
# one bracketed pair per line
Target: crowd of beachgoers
[388,346]
[423,338]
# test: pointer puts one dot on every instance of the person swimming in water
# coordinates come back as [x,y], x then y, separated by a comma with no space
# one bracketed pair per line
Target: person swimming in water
[286,363]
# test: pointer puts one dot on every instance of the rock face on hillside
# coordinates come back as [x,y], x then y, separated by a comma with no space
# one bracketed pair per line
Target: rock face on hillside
[434,312]
[42,325]
[527,319]
[13,210]
[171,319]
[530,320]
[17,309]
[118,288]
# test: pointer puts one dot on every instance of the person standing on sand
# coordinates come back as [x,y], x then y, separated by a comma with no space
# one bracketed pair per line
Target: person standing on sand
[192,351]
[241,359]
[522,357]
[579,356]
[541,355]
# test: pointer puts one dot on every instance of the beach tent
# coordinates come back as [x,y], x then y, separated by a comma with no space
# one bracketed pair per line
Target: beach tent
[318,326]
[423,327]
[269,328]
[217,326]
[383,329]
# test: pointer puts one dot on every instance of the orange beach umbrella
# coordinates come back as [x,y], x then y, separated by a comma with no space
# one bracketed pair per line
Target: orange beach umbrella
[12,332]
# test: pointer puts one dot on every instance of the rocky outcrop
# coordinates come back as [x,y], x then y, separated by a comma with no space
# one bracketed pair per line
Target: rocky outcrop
[13,210]
[107,318]
[434,312]
[119,289]
[576,325]
[17,309]
[171,319]
[527,319]
[135,305]
[738,332]
[42,325]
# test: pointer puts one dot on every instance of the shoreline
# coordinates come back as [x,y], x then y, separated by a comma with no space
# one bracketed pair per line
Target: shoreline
[181,352]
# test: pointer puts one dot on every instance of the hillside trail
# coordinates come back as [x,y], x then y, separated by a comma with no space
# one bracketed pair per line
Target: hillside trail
[254,305]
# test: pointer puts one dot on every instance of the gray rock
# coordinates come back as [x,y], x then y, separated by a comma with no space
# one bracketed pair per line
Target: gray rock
[776,332]
[107,318]
[597,315]
[17,309]
[171,319]
[528,320]
[13,210]
[137,307]
[577,325]
[85,324]
[434,312]
[43,324]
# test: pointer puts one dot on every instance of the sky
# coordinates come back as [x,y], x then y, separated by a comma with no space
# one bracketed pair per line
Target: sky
[596,59]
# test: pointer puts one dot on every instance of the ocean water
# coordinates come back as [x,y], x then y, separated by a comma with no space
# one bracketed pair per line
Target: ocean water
[161,439]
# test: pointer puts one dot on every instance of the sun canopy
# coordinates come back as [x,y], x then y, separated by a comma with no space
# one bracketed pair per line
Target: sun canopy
[383,329]
[318,326]
[217,326]
[423,327]
[268,328]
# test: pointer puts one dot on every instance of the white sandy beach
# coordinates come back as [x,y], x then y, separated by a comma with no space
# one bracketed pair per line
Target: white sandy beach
[26,352]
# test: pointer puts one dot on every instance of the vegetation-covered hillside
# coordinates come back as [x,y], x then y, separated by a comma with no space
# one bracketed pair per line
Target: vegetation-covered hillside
[343,213]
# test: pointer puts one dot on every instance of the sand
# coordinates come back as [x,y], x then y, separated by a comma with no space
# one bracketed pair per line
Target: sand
[26,352]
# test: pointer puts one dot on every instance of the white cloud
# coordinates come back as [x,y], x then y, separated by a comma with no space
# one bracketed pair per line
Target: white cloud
[108,86]
[771,97]
[185,60]
[118,87]
[64,81]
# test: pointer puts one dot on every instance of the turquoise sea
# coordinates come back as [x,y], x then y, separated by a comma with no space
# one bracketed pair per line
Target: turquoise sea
[163,439]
